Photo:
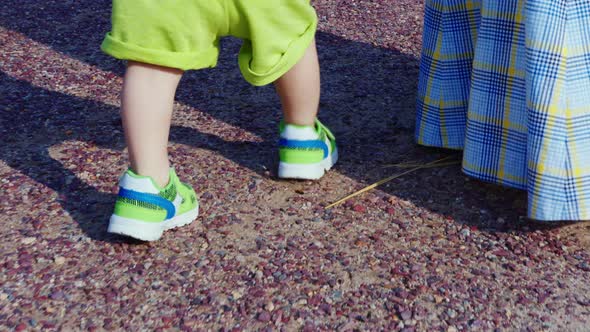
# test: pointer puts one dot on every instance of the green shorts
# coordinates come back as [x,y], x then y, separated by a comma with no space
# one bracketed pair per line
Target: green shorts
[185,34]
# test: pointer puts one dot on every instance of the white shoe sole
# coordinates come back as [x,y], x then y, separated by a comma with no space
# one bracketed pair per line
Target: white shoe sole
[149,231]
[307,171]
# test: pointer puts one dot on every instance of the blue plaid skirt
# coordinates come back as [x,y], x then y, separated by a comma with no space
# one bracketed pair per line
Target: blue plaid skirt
[509,83]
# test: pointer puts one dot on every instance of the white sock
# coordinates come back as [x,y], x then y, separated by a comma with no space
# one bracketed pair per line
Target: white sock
[299,133]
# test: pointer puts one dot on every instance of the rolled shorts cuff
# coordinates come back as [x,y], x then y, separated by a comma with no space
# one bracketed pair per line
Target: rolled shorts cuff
[290,57]
[180,60]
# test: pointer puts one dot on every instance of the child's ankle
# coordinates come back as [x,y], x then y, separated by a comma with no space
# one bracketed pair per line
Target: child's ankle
[299,122]
[162,181]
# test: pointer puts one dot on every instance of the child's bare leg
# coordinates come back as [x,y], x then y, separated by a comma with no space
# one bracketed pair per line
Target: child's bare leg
[147,102]
[299,90]
[306,149]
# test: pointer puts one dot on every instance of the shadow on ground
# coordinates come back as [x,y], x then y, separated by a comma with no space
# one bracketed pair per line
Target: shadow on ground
[368,101]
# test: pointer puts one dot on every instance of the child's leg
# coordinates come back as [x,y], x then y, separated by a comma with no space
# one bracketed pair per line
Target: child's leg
[307,148]
[151,197]
[147,101]
[299,90]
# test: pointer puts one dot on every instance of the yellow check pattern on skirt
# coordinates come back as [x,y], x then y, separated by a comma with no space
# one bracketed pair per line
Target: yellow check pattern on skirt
[509,83]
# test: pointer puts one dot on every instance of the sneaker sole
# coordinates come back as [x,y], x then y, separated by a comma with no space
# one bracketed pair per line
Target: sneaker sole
[307,171]
[149,231]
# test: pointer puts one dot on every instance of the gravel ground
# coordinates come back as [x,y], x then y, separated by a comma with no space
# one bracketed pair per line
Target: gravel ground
[431,251]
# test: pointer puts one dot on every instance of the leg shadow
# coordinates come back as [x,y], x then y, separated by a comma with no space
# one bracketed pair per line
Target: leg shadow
[32,120]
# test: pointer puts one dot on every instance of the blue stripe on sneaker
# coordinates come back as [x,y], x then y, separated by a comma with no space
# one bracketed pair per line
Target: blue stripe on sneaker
[149,198]
[311,144]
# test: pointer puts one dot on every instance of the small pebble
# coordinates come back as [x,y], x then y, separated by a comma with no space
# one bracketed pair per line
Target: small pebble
[59,260]
[263,317]
[451,313]
[359,208]
[28,240]
[406,315]
[237,294]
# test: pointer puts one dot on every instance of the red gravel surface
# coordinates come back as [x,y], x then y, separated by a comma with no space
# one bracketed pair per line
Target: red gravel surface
[432,251]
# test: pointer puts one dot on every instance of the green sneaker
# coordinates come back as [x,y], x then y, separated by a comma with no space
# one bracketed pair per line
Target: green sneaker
[144,211]
[306,152]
